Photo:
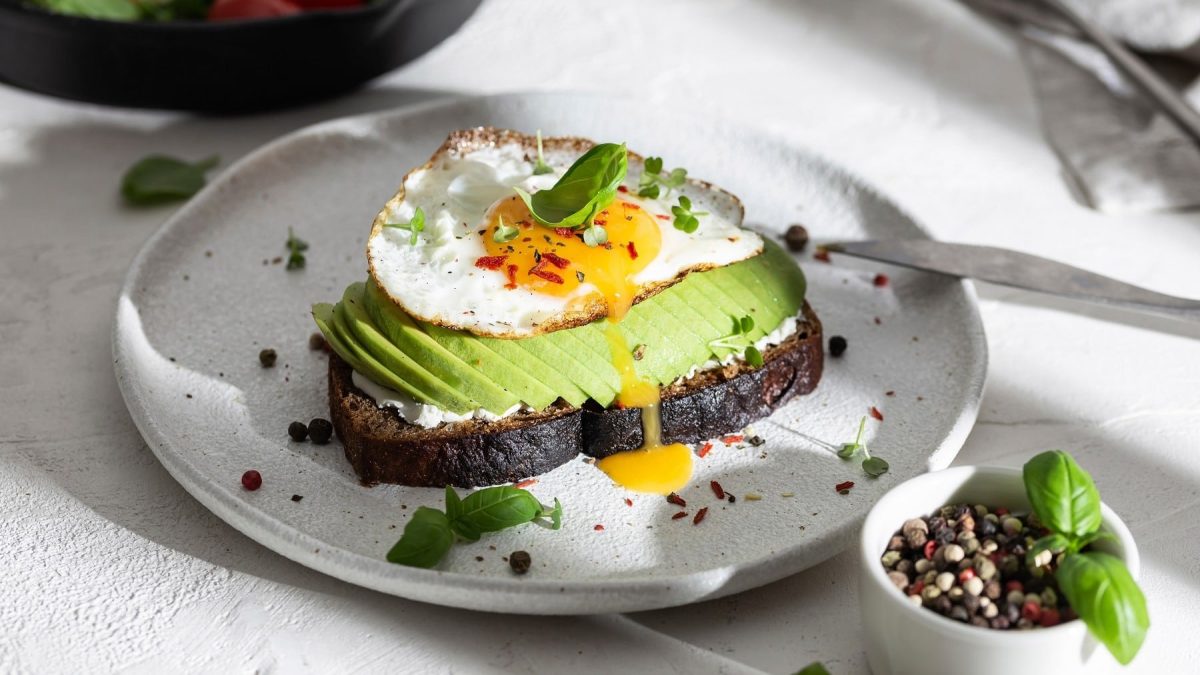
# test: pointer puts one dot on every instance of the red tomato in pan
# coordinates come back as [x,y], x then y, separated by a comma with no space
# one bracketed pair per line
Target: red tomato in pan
[329,4]
[251,9]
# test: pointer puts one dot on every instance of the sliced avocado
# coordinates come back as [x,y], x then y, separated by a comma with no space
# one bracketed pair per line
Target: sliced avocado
[549,349]
[674,340]
[695,330]
[780,272]
[322,314]
[537,368]
[743,284]
[658,354]
[404,333]
[692,292]
[731,299]
[594,343]
[351,312]
[333,326]
[493,366]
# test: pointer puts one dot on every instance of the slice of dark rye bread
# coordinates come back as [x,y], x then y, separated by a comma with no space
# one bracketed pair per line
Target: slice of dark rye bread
[383,448]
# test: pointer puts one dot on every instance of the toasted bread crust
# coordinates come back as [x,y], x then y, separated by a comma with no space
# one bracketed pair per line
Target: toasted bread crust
[383,448]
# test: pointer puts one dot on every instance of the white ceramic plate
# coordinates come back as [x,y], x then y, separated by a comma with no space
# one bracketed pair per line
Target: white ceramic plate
[202,298]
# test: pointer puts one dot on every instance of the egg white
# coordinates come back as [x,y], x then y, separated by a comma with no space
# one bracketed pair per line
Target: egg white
[437,281]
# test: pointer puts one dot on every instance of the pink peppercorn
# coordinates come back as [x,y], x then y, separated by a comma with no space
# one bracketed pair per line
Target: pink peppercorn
[252,480]
[1014,585]
[966,574]
[1031,611]
[880,280]
[1050,617]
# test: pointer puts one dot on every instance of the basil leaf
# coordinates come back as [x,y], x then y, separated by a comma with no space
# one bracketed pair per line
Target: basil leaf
[427,537]
[1054,543]
[753,356]
[157,179]
[875,466]
[1104,594]
[1062,494]
[495,508]
[589,185]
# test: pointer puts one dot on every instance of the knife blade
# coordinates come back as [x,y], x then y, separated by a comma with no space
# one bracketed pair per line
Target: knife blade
[1018,270]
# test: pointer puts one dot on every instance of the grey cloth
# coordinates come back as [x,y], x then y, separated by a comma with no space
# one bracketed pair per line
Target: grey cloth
[1119,154]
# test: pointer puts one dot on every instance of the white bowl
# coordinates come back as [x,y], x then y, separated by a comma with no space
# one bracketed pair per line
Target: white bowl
[902,638]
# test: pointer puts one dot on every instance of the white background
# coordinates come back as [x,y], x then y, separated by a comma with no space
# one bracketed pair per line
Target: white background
[108,565]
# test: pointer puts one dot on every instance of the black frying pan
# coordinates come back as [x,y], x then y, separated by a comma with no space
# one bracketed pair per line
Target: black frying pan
[223,66]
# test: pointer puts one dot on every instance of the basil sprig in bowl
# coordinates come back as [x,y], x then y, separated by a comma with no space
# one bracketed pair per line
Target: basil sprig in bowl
[1097,570]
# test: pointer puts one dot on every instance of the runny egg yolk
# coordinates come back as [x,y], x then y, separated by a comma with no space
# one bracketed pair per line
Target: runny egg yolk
[557,261]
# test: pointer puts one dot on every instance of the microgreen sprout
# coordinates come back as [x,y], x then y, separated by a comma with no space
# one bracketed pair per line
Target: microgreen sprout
[296,248]
[873,466]
[414,226]
[504,232]
[652,181]
[541,167]
[685,218]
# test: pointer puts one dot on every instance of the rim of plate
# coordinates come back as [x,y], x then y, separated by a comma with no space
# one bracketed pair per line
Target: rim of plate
[409,582]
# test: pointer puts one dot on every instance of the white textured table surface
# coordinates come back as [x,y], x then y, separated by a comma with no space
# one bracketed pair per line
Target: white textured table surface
[109,565]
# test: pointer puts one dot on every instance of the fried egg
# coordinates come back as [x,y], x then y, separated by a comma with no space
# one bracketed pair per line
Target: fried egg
[456,275]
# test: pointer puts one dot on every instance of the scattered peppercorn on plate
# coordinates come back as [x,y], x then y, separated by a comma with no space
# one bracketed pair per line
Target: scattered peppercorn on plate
[904,365]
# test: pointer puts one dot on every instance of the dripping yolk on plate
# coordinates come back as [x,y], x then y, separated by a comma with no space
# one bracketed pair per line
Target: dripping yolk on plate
[557,262]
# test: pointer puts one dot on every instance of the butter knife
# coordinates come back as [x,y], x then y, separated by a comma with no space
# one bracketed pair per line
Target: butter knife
[1018,270]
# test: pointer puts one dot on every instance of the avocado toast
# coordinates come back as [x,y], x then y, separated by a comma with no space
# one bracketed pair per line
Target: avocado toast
[530,300]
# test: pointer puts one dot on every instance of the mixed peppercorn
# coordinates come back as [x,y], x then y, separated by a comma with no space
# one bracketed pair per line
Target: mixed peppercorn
[969,563]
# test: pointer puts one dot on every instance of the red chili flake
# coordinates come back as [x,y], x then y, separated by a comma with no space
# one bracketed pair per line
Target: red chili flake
[526,483]
[512,276]
[556,260]
[843,487]
[675,499]
[600,221]
[564,232]
[598,528]
[731,439]
[822,255]
[628,501]
[661,216]
[880,280]
[252,480]
[628,205]
[700,516]
[876,414]
[632,250]
[526,238]
[704,450]
[917,587]
[539,271]
[491,262]
[966,575]
[681,514]
[608,246]
[717,489]
[930,547]
[622,188]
